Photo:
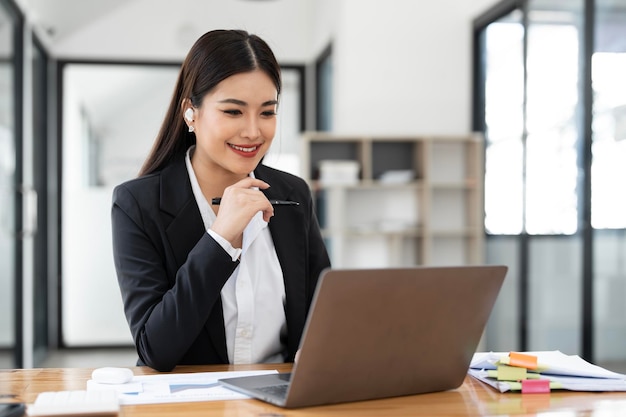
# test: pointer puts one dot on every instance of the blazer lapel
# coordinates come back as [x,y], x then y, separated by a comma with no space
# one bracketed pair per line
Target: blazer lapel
[184,231]
[177,200]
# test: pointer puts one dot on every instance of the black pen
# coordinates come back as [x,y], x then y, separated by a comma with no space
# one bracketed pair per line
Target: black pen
[217,200]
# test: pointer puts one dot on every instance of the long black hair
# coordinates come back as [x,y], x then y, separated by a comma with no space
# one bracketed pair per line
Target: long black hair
[215,56]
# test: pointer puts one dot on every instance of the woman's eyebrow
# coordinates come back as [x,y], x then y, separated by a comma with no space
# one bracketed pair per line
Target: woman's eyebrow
[243,103]
[233,101]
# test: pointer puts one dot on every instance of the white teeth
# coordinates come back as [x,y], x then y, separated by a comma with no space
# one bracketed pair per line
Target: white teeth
[239,148]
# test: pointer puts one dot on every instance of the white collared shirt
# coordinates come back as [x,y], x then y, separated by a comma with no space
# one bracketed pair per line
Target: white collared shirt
[253,298]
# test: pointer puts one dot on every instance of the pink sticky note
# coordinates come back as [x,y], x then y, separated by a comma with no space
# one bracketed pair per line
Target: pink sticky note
[535,386]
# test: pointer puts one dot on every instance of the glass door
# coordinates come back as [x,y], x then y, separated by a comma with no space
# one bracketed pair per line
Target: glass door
[10,265]
[102,147]
[529,70]
[554,196]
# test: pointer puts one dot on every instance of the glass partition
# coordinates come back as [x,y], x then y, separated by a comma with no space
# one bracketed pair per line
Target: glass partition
[111,115]
[553,100]
[502,55]
[608,173]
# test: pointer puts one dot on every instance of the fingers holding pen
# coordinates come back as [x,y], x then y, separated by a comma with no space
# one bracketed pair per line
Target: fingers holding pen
[247,201]
[239,203]
[243,193]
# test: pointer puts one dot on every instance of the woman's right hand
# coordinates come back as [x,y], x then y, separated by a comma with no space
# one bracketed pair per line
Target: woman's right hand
[240,203]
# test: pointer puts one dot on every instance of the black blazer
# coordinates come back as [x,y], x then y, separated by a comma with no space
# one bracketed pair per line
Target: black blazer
[171,271]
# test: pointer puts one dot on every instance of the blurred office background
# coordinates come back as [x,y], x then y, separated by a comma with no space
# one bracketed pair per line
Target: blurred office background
[84,84]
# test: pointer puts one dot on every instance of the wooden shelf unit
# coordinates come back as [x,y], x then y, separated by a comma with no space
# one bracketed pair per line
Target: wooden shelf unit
[432,215]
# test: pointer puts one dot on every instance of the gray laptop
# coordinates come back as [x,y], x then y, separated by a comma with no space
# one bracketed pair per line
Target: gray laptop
[376,333]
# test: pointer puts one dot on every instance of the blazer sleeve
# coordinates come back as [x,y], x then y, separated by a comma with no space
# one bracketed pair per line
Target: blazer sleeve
[166,305]
[318,259]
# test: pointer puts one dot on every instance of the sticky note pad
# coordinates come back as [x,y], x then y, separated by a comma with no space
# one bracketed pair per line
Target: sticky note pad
[522,359]
[511,373]
[536,386]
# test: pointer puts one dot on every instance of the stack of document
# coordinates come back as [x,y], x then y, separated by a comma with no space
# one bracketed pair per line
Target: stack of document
[554,369]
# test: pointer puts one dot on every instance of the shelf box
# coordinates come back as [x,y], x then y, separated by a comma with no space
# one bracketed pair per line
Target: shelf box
[386,210]
[338,172]
[390,156]
[331,150]
[382,209]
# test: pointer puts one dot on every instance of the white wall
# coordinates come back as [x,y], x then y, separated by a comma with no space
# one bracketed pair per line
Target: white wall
[404,66]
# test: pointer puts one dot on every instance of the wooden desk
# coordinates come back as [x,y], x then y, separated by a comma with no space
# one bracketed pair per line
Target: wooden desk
[471,399]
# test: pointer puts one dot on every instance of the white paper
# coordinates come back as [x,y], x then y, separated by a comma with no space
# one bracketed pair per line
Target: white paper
[169,388]
[554,362]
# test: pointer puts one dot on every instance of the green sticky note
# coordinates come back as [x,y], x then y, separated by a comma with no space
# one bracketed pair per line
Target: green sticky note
[511,373]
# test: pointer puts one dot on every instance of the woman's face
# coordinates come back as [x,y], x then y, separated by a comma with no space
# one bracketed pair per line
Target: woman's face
[236,122]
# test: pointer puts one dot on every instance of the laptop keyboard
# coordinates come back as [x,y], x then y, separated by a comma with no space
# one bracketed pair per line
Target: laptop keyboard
[275,390]
[285,376]
[279,390]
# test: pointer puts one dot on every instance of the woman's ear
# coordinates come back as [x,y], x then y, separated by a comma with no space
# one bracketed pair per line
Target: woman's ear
[189,114]
[187,109]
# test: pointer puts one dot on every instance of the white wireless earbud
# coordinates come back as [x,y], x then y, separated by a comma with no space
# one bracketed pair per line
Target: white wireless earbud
[189,114]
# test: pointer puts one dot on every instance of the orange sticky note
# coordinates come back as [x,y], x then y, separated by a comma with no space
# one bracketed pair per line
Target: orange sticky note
[523,360]
[535,386]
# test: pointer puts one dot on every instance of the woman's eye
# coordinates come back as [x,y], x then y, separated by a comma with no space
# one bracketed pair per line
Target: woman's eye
[233,112]
[269,113]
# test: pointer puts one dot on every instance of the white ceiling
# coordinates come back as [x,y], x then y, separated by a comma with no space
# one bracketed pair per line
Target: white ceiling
[59,18]
[165,29]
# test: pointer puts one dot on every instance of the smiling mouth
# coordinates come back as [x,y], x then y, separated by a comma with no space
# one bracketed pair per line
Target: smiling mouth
[244,149]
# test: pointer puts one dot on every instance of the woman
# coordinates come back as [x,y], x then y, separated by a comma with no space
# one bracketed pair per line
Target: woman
[206,283]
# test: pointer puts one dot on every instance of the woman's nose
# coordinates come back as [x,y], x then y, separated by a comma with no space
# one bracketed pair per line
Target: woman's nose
[251,129]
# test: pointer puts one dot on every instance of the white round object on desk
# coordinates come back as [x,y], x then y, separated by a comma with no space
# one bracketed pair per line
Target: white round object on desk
[112,375]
